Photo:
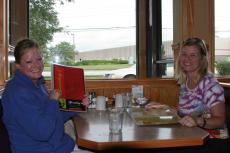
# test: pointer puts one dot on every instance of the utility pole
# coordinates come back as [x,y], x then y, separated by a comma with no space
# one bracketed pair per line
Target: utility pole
[73,37]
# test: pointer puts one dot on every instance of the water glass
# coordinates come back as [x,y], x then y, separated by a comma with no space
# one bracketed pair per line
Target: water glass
[115,136]
[115,120]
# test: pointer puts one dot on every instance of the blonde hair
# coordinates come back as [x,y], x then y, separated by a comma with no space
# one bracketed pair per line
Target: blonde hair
[203,70]
[21,47]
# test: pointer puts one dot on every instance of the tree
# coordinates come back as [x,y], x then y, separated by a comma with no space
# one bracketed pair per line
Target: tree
[43,21]
[65,51]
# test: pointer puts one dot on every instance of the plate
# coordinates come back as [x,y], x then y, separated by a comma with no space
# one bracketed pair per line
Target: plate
[159,116]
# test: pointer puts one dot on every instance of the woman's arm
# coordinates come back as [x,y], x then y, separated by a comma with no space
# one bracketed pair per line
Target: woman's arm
[216,120]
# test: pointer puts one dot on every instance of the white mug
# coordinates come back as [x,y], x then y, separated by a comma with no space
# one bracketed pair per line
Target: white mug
[101,103]
[118,100]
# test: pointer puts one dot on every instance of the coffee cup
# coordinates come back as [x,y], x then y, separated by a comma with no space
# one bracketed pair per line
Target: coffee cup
[101,103]
[119,100]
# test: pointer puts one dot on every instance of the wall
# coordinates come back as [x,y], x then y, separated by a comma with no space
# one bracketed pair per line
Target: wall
[160,90]
[18,22]
[194,18]
[109,54]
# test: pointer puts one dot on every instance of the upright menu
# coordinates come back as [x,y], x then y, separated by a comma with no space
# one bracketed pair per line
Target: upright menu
[70,81]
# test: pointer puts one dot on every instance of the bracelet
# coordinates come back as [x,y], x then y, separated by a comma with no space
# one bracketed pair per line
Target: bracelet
[204,123]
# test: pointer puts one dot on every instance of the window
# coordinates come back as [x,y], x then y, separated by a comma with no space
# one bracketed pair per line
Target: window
[167,38]
[160,38]
[75,37]
[96,35]
[222,38]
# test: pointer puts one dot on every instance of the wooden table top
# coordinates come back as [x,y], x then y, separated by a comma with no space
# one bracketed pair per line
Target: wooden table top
[93,133]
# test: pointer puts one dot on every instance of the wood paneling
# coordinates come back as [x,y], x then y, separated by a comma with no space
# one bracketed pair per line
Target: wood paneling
[3,41]
[141,36]
[194,18]
[18,20]
[161,90]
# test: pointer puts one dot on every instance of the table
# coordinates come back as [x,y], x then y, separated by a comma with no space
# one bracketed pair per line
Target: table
[92,129]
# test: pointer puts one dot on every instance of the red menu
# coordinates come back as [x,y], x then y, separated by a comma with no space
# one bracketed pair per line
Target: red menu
[70,81]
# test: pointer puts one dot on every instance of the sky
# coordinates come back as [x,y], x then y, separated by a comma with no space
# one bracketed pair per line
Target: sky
[222,18]
[90,27]
[101,24]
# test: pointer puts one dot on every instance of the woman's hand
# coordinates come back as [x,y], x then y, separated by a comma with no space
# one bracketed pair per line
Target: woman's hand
[55,94]
[188,121]
[85,101]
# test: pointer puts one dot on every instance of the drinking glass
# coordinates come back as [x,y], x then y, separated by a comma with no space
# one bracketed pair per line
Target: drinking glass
[115,120]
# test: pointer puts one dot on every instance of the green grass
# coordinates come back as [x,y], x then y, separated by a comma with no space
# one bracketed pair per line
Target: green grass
[99,67]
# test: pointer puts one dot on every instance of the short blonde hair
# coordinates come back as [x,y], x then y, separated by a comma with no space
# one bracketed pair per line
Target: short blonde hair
[200,44]
[21,47]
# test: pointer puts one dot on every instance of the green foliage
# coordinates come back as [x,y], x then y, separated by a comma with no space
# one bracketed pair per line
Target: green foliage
[101,62]
[223,67]
[43,21]
[65,51]
[46,55]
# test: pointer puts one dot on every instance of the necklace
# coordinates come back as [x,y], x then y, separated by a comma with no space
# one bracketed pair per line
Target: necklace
[190,87]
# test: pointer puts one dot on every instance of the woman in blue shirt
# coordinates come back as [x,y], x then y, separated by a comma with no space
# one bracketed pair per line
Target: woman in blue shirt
[31,114]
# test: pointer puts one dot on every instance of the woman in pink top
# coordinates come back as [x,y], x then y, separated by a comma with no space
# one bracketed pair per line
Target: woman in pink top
[201,101]
[201,97]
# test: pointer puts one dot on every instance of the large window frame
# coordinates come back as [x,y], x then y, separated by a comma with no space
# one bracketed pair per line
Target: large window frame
[154,39]
[141,34]
[183,28]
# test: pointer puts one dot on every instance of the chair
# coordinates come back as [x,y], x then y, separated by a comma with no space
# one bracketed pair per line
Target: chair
[227,107]
[4,137]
